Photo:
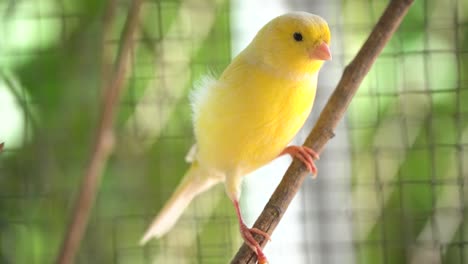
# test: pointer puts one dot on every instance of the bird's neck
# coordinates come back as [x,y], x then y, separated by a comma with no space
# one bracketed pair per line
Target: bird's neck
[295,72]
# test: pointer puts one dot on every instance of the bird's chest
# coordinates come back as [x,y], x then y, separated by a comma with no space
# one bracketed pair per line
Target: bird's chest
[262,122]
[277,119]
[248,122]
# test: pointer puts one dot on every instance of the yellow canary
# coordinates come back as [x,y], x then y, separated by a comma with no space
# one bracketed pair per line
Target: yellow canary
[247,117]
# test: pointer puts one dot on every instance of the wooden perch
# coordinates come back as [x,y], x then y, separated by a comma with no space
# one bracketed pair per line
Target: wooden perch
[104,140]
[333,112]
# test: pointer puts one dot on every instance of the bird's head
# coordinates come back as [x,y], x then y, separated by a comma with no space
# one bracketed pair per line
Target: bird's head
[296,43]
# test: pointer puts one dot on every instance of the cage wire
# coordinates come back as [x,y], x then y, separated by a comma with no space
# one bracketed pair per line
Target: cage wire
[392,186]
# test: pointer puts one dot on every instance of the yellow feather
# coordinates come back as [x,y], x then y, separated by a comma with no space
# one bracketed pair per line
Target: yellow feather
[249,116]
[246,118]
[262,99]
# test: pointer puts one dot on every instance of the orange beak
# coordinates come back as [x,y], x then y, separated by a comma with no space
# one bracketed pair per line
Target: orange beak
[321,52]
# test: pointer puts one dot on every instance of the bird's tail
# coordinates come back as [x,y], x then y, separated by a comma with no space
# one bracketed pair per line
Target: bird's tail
[195,181]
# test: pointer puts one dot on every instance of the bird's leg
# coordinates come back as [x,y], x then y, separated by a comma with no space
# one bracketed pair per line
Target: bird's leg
[247,235]
[304,154]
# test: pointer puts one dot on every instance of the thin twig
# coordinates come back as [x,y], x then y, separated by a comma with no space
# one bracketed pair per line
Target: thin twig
[333,112]
[106,58]
[103,143]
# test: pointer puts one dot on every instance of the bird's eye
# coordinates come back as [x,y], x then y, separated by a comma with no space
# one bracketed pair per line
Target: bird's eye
[297,36]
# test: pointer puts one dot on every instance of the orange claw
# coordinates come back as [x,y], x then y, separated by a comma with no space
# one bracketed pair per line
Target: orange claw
[247,235]
[260,232]
[304,154]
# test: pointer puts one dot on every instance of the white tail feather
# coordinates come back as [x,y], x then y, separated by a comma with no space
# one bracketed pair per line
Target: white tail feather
[192,184]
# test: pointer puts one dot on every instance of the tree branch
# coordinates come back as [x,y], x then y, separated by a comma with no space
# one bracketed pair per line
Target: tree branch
[333,112]
[104,140]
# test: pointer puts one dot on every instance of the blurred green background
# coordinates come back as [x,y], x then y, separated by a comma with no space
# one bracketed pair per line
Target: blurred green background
[409,137]
[407,131]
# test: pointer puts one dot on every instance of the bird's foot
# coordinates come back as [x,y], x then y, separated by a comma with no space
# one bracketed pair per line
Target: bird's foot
[247,235]
[304,154]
